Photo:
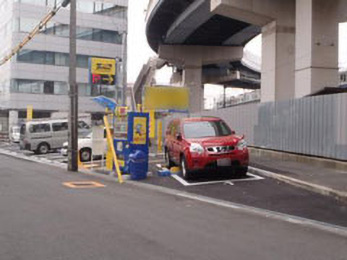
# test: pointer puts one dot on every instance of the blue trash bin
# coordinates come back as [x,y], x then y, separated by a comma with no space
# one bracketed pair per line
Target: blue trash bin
[138,165]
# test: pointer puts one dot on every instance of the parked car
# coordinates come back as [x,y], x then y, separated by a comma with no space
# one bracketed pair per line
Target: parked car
[89,147]
[205,143]
[41,136]
[15,134]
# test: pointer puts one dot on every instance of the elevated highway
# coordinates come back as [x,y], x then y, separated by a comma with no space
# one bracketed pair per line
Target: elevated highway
[205,39]
[190,23]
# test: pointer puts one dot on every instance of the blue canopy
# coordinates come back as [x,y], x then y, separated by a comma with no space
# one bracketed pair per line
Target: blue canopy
[106,102]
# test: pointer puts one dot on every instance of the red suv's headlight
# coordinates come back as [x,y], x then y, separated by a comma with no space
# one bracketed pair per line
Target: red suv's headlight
[196,148]
[241,145]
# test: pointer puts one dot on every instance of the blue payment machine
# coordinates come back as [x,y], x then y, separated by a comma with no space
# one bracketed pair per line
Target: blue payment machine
[137,139]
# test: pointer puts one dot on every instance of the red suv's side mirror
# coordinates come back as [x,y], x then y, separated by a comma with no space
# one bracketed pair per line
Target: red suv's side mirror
[233,132]
[179,137]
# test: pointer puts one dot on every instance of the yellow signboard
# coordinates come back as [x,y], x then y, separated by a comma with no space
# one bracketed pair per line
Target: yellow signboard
[140,130]
[166,98]
[29,112]
[101,66]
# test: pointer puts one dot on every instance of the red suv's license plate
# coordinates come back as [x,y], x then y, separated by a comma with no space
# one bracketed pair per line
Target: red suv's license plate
[224,162]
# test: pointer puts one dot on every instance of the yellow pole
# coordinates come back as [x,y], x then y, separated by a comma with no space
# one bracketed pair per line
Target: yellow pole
[160,136]
[109,159]
[29,112]
[110,143]
[80,164]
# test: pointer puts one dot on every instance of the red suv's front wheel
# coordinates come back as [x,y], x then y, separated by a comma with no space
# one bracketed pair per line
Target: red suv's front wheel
[185,170]
[169,163]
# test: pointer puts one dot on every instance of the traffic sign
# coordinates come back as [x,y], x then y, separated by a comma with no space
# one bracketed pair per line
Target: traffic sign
[103,79]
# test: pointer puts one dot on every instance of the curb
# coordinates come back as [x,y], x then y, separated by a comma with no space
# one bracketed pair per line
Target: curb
[339,195]
[282,155]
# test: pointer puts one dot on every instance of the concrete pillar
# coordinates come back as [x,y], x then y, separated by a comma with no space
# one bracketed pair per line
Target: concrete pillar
[316,48]
[192,79]
[191,59]
[12,118]
[176,77]
[278,61]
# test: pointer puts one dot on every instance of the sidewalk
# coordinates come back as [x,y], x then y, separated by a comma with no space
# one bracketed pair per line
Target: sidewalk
[324,180]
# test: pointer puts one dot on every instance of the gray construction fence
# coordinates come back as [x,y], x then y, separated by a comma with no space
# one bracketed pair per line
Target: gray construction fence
[315,126]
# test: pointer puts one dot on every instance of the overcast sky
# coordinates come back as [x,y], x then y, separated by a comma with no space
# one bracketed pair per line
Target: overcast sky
[139,51]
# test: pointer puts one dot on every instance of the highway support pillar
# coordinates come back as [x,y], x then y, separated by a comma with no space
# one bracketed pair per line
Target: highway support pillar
[316,64]
[278,61]
[192,59]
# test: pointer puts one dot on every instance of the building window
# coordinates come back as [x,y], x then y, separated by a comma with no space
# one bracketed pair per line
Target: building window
[54,87]
[84,34]
[61,59]
[38,57]
[27,86]
[60,88]
[84,89]
[51,58]
[48,87]
[98,8]
[82,61]
[63,30]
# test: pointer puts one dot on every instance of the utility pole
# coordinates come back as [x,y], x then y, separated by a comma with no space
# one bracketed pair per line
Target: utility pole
[73,94]
[124,64]
[224,97]
[118,77]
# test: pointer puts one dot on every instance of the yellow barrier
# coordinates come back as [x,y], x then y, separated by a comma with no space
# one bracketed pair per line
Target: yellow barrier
[110,143]
[79,163]
[109,159]
[160,136]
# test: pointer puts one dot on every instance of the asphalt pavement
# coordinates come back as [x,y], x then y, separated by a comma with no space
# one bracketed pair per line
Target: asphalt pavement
[266,193]
[40,218]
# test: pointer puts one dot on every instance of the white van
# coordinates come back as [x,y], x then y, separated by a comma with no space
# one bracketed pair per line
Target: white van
[44,135]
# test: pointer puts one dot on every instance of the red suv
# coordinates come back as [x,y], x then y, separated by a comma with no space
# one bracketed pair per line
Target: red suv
[205,143]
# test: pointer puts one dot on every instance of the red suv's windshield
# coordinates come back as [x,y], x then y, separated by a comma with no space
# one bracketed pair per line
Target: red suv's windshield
[205,129]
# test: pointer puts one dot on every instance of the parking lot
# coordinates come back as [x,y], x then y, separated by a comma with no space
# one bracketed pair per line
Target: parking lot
[252,190]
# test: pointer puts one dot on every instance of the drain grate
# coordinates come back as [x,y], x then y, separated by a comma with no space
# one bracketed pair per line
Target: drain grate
[83,184]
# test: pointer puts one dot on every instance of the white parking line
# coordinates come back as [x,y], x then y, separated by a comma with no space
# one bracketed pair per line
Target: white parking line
[254,178]
[228,181]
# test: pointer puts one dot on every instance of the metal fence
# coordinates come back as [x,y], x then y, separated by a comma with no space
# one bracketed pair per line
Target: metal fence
[312,126]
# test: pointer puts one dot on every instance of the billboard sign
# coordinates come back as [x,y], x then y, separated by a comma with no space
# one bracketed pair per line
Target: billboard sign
[166,98]
[102,71]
